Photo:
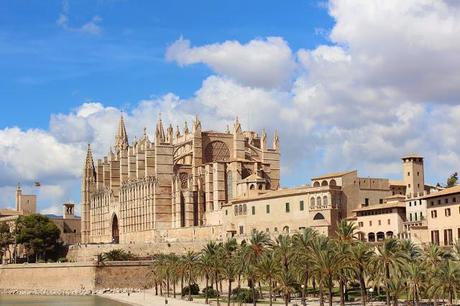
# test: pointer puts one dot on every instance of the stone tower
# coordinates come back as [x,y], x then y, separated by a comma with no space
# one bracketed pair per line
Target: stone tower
[413,175]
[87,187]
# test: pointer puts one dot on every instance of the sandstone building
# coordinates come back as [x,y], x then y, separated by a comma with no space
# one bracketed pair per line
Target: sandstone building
[181,179]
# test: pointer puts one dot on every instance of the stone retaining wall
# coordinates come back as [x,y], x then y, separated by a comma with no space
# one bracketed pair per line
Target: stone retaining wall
[74,276]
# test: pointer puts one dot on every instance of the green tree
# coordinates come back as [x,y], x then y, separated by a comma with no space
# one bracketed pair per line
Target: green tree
[302,243]
[447,280]
[38,234]
[253,252]
[268,269]
[6,238]
[388,260]
[360,257]
[452,180]
[190,262]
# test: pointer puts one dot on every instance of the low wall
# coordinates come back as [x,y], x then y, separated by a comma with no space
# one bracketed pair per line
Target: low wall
[74,276]
[89,252]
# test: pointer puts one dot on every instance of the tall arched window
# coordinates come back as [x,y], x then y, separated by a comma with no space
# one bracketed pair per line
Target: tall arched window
[240,209]
[318,202]
[312,202]
[325,201]
[245,209]
[229,190]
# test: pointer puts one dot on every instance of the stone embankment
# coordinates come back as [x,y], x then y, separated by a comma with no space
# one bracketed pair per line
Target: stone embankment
[67,292]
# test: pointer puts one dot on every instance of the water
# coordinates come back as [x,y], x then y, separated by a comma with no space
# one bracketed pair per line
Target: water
[36,300]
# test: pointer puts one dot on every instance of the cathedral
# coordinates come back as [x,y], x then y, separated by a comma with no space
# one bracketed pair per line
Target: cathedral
[181,179]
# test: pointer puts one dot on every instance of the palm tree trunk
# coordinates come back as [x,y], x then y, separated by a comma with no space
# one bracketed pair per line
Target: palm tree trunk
[174,288]
[229,294]
[156,288]
[207,289]
[342,296]
[314,287]
[167,285]
[329,288]
[161,288]
[260,291]
[304,289]
[286,299]
[253,288]
[387,284]
[270,291]
[362,285]
[182,286]
[450,297]
[189,286]
[321,294]
[395,300]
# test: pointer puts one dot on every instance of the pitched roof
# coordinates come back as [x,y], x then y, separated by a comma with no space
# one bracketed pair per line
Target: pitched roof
[447,191]
[396,183]
[382,206]
[329,175]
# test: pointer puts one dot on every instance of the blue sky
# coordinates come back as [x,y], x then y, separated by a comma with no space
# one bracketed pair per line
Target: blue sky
[49,69]
[348,84]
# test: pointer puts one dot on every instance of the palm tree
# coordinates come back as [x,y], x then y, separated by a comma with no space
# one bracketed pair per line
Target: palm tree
[359,258]
[302,243]
[447,280]
[230,263]
[326,262]
[388,260]
[206,268]
[396,287]
[346,231]
[252,253]
[433,256]
[268,269]
[286,282]
[415,280]
[190,262]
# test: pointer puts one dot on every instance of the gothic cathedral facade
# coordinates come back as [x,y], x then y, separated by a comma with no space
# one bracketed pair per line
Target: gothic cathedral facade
[179,180]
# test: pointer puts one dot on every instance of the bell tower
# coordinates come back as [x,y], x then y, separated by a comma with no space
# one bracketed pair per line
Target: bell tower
[413,175]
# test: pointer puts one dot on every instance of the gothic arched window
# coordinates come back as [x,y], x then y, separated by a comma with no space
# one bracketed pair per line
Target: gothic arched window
[318,202]
[216,151]
[312,202]
[229,190]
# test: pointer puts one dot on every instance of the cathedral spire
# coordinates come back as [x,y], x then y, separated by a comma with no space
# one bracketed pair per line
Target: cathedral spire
[196,124]
[160,132]
[263,140]
[121,140]
[237,126]
[276,141]
[186,130]
[89,163]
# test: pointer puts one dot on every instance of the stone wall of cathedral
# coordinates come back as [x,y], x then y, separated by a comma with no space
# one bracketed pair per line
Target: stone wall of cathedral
[179,180]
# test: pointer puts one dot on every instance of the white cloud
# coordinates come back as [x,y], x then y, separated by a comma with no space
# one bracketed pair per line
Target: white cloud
[90,27]
[385,86]
[266,62]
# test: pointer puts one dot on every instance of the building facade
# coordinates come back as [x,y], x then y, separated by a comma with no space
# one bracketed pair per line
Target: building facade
[143,191]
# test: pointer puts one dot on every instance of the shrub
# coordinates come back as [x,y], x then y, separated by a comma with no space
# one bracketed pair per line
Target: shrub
[116,255]
[212,293]
[63,259]
[194,289]
[243,295]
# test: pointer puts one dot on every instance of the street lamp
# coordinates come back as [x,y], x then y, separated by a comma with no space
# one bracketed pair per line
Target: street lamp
[371,290]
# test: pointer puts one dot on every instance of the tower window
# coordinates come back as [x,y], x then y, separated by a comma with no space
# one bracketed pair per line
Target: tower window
[301,205]
[267,209]
[253,210]
[408,173]
[287,207]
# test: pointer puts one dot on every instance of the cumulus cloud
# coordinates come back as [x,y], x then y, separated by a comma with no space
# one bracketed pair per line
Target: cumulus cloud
[387,84]
[266,62]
